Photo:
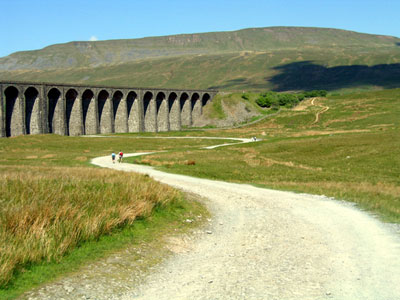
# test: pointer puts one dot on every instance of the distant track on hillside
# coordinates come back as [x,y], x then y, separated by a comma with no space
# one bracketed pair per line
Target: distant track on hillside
[318,114]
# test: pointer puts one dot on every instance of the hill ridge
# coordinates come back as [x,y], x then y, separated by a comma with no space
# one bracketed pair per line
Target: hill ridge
[111,52]
[277,58]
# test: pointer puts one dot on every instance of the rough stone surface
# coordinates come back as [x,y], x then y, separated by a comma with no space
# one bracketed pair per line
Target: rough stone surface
[186,110]
[55,112]
[134,112]
[162,116]
[90,110]
[174,114]
[105,115]
[150,115]
[121,114]
[197,108]
[32,115]
[234,115]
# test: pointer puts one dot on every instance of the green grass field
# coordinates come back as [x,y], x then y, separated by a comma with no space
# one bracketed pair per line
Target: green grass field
[55,206]
[345,146]
[352,152]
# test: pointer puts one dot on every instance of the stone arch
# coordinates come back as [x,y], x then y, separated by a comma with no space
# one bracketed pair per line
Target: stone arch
[32,111]
[174,111]
[54,113]
[120,115]
[205,99]
[89,112]
[196,107]
[132,107]
[162,112]
[186,110]
[73,113]
[150,114]
[104,112]
[13,113]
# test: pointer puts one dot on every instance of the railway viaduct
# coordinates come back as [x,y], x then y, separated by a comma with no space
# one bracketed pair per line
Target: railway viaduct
[70,109]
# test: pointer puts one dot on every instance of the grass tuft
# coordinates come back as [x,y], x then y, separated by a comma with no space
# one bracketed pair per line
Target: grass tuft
[47,212]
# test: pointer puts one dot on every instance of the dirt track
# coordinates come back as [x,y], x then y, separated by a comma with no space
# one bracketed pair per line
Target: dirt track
[264,244]
[318,114]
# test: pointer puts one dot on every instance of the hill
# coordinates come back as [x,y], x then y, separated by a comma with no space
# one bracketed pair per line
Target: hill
[279,58]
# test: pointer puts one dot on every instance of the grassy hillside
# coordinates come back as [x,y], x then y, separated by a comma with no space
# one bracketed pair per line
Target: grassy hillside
[279,58]
[281,71]
[343,146]
[91,54]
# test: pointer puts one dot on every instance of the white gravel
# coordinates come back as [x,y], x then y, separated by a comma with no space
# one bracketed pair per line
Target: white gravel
[260,244]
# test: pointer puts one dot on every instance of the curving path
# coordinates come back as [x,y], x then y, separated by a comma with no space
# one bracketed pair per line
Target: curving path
[240,140]
[318,114]
[267,244]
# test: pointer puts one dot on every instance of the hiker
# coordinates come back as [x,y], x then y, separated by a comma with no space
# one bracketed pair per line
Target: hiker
[120,156]
[113,157]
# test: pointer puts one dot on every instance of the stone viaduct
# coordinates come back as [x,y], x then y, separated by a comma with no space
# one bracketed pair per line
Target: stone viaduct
[70,109]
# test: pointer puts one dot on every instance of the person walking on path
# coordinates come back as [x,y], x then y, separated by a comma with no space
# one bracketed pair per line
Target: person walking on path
[113,157]
[120,155]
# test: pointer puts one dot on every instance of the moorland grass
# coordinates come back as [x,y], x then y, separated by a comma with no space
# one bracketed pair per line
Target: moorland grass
[47,212]
[358,167]
[351,153]
[146,236]
[54,150]
[53,204]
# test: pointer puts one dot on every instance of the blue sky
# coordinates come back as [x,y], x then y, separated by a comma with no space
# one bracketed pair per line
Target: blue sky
[34,24]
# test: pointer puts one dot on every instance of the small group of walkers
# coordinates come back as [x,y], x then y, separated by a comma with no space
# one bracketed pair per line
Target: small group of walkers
[120,155]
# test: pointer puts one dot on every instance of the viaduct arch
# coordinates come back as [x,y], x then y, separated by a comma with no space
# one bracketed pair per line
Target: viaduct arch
[68,109]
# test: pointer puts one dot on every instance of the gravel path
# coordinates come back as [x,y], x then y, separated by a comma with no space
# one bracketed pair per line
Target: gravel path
[260,244]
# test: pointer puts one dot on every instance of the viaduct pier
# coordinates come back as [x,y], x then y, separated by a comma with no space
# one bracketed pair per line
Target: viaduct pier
[71,109]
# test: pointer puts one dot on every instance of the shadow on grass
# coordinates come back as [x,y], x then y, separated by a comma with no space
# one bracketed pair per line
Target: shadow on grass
[306,75]
[231,83]
[240,84]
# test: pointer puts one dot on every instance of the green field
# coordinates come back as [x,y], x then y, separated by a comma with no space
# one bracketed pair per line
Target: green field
[59,212]
[345,146]
[352,152]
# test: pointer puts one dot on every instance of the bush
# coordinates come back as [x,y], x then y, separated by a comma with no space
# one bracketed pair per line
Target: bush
[288,100]
[323,93]
[267,99]
[315,93]
[273,99]
[300,97]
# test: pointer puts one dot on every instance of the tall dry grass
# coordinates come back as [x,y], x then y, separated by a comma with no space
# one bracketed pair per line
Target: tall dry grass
[45,213]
